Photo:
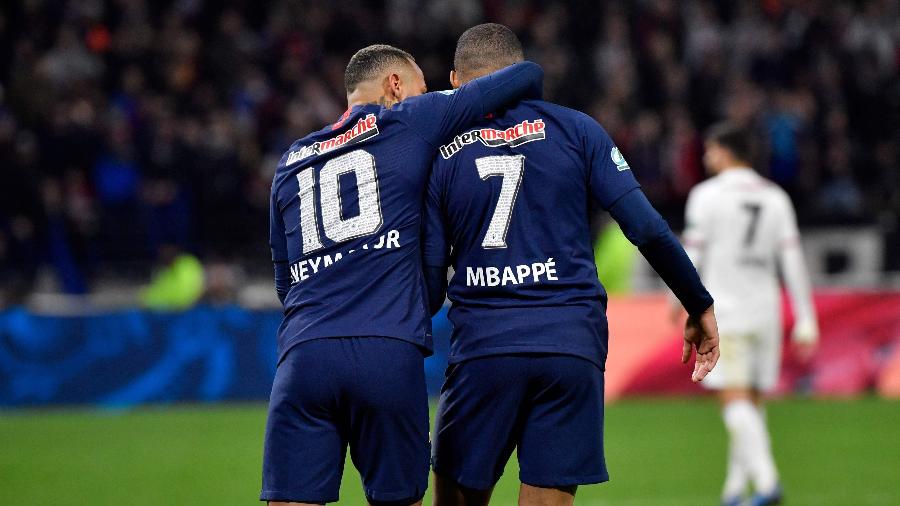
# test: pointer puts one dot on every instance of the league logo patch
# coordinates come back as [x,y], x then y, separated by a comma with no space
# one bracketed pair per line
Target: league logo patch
[618,159]
[364,129]
[513,136]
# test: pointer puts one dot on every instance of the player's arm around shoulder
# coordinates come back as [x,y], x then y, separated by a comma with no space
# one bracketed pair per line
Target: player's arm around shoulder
[437,116]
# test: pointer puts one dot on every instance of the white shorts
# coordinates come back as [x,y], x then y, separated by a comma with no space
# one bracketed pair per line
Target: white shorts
[749,360]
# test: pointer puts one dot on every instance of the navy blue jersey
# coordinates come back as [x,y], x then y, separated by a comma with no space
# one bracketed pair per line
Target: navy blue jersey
[510,197]
[346,210]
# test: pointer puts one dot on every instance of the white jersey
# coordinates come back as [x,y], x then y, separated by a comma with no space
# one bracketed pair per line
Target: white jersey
[740,228]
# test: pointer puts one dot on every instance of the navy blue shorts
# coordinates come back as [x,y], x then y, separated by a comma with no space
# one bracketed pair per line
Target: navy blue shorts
[549,407]
[365,392]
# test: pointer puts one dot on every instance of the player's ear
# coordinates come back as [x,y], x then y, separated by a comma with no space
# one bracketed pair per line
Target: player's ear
[394,86]
[454,79]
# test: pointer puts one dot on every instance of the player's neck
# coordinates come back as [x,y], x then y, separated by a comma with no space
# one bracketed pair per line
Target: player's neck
[367,94]
[383,101]
[736,167]
[471,76]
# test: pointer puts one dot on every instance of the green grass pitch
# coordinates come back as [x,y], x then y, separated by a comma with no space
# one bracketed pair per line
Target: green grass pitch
[659,452]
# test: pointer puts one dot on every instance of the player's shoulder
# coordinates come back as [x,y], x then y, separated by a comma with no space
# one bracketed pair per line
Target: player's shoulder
[705,189]
[418,103]
[298,150]
[572,122]
[778,195]
[354,127]
[562,113]
[771,186]
[771,189]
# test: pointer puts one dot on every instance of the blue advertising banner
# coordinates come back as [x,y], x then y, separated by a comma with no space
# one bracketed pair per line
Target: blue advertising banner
[125,358]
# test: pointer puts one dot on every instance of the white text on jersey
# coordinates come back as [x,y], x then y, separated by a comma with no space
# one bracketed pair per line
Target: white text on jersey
[512,275]
[364,129]
[302,270]
[513,136]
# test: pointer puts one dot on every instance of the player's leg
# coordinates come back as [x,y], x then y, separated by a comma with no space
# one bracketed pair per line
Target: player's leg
[562,439]
[749,438]
[737,476]
[478,423]
[292,503]
[731,380]
[763,471]
[767,362]
[448,492]
[387,424]
[304,451]
[546,496]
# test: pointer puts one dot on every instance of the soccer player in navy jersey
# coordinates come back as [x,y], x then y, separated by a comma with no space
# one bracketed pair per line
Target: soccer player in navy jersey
[346,210]
[507,207]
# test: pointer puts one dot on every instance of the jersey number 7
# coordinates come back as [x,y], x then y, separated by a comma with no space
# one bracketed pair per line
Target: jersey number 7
[511,169]
[753,209]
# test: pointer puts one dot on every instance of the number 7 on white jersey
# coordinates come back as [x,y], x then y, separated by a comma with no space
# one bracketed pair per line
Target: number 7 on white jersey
[511,169]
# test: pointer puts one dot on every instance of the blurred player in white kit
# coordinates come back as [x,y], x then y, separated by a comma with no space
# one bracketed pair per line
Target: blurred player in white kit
[740,230]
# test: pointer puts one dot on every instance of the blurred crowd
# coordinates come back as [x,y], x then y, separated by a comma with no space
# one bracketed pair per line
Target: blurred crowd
[131,127]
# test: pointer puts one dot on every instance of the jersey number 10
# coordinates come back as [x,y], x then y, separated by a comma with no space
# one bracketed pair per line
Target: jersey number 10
[336,227]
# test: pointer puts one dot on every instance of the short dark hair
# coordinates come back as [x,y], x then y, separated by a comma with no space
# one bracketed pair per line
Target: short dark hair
[370,60]
[734,138]
[487,46]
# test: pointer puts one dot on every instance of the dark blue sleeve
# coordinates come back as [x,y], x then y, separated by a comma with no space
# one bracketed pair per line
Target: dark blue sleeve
[282,280]
[610,176]
[647,230]
[435,239]
[440,115]
[278,243]
[436,285]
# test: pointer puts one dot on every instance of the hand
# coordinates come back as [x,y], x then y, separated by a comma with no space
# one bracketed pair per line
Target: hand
[676,313]
[701,332]
[804,350]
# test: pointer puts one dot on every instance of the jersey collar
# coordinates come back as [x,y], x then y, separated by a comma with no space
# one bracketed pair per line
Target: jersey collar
[737,172]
